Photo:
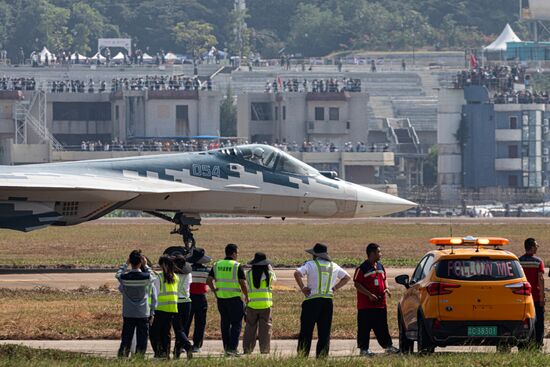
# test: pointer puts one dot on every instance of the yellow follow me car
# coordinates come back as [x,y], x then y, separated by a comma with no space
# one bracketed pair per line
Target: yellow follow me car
[467,292]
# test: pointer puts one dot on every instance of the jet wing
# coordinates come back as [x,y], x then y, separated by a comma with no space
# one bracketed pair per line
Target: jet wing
[130,185]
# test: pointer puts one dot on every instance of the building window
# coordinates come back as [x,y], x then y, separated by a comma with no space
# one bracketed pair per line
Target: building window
[182,120]
[512,181]
[334,114]
[513,151]
[319,113]
[513,122]
[276,113]
[284,112]
[81,111]
[117,112]
[261,111]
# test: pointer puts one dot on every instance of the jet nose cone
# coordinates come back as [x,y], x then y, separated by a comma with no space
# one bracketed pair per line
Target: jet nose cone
[372,203]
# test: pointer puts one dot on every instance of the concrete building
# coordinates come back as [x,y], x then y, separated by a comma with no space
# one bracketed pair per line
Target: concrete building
[498,150]
[73,117]
[337,117]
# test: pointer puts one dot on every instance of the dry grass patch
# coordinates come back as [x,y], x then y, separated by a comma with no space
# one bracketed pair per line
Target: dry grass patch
[107,244]
[96,314]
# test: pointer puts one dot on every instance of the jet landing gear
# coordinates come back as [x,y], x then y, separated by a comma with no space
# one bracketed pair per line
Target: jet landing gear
[183,227]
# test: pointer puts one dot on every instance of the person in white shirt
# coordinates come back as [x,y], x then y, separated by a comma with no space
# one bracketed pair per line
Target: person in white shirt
[324,277]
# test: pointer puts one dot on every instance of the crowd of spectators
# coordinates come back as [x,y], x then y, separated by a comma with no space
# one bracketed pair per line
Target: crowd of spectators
[152,145]
[500,78]
[331,85]
[522,97]
[163,82]
[23,84]
[156,83]
[195,145]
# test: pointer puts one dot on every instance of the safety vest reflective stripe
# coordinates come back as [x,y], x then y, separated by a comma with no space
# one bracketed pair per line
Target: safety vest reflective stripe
[168,295]
[326,291]
[135,283]
[227,282]
[259,298]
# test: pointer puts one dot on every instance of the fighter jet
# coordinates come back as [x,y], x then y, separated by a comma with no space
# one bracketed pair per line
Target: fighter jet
[257,180]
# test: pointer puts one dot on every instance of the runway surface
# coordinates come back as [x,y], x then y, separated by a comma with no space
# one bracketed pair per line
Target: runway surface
[68,280]
[213,348]
[276,220]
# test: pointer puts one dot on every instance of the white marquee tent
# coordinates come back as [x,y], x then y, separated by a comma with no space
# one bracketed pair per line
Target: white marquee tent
[98,56]
[147,57]
[46,53]
[119,57]
[80,57]
[171,57]
[499,44]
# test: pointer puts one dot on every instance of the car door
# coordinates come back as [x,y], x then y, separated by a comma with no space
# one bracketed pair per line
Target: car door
[411,298]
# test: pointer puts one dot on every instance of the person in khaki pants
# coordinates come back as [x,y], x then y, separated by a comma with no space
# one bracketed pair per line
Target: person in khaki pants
[258,310]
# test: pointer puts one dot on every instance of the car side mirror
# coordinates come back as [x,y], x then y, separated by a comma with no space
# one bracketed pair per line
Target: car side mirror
[403,280]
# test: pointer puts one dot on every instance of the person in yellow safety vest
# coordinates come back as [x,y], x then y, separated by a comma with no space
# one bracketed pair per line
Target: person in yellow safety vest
[183,270]
[166,310]
[227,280]
[324,277]
[260,300]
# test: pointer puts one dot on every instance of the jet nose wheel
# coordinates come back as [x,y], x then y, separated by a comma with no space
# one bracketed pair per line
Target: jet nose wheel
[186,233]
[183,227]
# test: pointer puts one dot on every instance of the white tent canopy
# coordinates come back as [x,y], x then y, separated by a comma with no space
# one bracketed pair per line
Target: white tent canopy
[147,57]
[119,56]
[170,56]
[98,56]
[499,44]
[80,56]
[45,52]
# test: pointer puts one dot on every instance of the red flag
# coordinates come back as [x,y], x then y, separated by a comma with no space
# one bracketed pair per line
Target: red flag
[473,62]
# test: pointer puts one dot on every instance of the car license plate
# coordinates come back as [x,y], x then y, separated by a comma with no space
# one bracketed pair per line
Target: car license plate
[482,331]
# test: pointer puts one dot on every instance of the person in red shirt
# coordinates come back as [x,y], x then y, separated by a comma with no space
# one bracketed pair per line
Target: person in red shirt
[372,314]
[198,290]
[533,267]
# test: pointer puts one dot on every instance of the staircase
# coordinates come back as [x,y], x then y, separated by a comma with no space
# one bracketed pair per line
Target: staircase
[24,118]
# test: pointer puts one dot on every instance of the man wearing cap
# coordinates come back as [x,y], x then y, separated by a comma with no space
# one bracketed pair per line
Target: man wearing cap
[198,289]
[258,310]
[228,282]
[324,277]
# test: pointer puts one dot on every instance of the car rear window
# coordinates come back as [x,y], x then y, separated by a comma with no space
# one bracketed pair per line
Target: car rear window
[479,269]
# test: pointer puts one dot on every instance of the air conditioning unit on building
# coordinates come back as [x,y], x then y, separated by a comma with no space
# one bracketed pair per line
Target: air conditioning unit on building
[545,159]
[545,123]
[545,151]
[545,130]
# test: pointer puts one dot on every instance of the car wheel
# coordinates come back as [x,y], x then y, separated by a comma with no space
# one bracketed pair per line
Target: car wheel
[405,345]
[425,345]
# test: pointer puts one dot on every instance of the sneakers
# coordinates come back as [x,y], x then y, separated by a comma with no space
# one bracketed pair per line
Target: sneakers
[232,353]
[392,350]
[366,353]
[196,350]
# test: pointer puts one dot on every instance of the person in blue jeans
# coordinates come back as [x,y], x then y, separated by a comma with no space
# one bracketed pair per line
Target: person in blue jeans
[136,287]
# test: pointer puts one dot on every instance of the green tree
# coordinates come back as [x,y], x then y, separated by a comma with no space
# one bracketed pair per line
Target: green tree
[240,42]
[195,36]
[228,115]
[39,23]
[314,31]
[6,23]
[87,25]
